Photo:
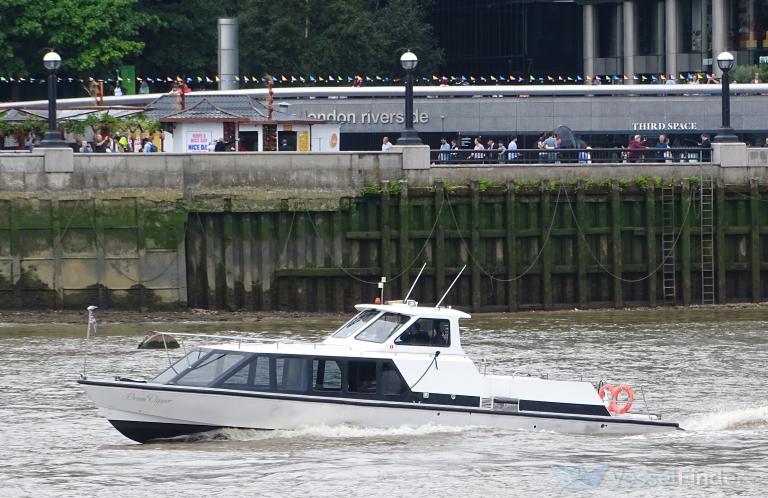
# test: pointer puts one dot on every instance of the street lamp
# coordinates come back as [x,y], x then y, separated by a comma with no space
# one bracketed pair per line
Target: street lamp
[725,62]
[409,136]
[52,138]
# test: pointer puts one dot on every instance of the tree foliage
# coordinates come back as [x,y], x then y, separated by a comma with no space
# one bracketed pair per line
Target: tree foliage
[178,37]
[744,74]
[92,36]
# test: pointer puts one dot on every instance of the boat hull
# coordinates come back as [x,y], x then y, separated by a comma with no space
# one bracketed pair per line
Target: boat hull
[144,412]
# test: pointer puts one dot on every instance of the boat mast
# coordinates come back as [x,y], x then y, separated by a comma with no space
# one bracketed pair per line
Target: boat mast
[451,286]
[414,282]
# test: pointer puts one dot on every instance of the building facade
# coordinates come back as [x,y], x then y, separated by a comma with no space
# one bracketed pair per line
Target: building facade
[596,37]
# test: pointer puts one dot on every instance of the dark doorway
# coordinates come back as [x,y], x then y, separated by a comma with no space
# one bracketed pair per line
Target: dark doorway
[249,140]
[286,140]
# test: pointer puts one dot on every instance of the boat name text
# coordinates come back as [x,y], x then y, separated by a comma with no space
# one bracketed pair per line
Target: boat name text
[152,399]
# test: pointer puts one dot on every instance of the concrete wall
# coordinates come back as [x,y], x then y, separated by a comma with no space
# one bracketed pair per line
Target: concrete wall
[268,176]
[584,114]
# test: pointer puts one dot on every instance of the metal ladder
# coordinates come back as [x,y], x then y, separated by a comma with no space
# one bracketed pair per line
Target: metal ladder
[668,242]
[707,202]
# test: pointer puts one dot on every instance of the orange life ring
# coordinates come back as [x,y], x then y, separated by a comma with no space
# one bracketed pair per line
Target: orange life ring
[613,393]
[626,388]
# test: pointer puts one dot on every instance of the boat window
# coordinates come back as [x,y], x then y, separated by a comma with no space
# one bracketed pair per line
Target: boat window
[179,366]
[292,374]
[253,374]
[391,382]
[326,375]
[382,327]
[361,376]
[355,323]
[210,368]
[427,332]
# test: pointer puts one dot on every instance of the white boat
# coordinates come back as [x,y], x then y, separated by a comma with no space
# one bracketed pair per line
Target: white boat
[392,364]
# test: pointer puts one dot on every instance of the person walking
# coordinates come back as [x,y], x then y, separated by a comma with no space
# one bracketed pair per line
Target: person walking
[385,144]
[444,146]
[478,156]
[512,150]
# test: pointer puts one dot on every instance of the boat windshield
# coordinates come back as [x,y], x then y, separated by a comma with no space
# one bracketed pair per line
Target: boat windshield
[184,363]
[383,327]
[355,324]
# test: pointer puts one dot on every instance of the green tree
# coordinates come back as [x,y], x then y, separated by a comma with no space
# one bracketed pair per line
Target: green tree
[92,36]
[744,74]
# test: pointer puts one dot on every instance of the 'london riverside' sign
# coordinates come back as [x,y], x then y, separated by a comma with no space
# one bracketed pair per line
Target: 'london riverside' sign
[369,117]
[683,126]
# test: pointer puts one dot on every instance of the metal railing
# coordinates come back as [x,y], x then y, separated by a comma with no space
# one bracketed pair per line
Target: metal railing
[585,157]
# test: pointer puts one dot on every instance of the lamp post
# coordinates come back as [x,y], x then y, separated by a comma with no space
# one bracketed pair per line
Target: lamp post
[409,136]
[52,138]
[725,62]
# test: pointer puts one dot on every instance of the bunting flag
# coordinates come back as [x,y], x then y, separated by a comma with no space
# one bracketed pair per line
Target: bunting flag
[206,81]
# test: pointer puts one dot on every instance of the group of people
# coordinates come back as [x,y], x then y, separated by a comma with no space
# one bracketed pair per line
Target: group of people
[120,143]
[637,150]
[491,151]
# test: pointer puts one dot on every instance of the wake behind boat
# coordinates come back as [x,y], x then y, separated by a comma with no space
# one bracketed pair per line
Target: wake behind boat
[392,364]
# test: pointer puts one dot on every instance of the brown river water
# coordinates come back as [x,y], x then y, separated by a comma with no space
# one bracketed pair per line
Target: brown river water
[705,368]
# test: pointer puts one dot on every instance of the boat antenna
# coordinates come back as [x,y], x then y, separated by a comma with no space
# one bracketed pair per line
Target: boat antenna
[415,282]
[92,325]
[381,286]
[451,286]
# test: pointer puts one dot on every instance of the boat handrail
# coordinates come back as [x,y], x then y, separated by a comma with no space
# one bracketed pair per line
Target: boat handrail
[248,340]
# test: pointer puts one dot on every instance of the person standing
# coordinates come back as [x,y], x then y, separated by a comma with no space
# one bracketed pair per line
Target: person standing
[662,145]
[455,149]
[85,147]
[385,144]
[118,92]
[100,143]
[143,87]
[585,156]
[550,143]
[444,146]
[636,147]
[706,148]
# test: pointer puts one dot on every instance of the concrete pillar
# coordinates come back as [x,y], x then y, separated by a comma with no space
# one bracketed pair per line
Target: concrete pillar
[229,54]
[719,31]
[658,41]
[630,37]
[617,33]
[590,47]
[672,36]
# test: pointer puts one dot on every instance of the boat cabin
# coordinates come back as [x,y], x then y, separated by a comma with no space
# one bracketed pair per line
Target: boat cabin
[375,355]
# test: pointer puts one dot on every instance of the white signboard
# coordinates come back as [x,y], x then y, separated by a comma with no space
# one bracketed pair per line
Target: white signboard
[197,141]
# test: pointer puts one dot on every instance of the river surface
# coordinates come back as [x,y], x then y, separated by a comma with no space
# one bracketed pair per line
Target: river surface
[703,368]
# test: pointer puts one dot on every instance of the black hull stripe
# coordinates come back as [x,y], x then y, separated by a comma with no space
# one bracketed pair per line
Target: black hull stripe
[376,404]
[141,432]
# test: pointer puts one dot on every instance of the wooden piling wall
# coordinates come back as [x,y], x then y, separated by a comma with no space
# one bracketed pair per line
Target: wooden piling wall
[532,246]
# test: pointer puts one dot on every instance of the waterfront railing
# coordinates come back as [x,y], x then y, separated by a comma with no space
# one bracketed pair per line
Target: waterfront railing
[613,155]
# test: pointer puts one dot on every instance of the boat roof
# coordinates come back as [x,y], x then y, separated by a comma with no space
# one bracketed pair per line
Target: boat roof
[414,310]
